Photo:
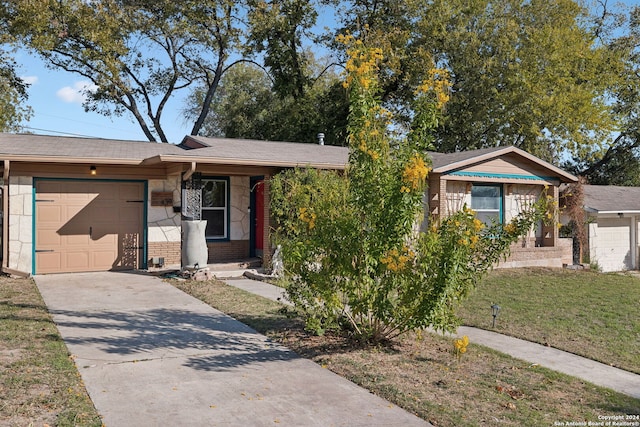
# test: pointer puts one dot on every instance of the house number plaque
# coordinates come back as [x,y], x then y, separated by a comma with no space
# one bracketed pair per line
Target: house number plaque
[162,198]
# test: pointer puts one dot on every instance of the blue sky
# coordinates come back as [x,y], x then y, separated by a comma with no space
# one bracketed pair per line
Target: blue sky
[56,100]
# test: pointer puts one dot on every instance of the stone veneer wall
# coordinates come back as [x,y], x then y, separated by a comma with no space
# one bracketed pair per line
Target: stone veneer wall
[20,223]
[164,235]
[239,212]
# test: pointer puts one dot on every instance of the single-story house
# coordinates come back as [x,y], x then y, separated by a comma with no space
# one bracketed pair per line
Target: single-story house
[613,214]
[88,204]
[77,204]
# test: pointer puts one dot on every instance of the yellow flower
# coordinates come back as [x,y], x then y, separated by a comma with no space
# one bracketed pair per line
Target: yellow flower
[460,345]
[415,172]
[477,224]
[510,228]
[437,82]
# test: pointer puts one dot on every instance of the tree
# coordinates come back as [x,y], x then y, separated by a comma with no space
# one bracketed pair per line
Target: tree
[524,73]
[351,252]
[139,53]
[278,29]
[248,106]
[13,92]
[618,162]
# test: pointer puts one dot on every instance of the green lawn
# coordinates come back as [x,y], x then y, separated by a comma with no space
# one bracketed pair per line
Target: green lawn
[592,314]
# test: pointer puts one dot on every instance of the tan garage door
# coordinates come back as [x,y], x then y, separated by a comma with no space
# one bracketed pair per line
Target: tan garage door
[88,226]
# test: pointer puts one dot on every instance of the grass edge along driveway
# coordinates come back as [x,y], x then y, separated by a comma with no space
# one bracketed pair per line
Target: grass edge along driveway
[39,382]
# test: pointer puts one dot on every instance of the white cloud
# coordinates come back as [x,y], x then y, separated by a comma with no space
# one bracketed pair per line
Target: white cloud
[30,80]
[77,93]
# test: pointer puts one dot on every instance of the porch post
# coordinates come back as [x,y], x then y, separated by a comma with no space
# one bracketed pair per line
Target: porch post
[267,251]
[442,200]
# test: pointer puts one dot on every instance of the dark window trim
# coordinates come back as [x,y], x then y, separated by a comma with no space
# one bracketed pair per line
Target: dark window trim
[227,210]
[492,184]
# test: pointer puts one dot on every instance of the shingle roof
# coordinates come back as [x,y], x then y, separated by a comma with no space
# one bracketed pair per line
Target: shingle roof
[443,163]
[272,153]
[53,147]
[440,160]
[215,150]
[29,147]
[611,198]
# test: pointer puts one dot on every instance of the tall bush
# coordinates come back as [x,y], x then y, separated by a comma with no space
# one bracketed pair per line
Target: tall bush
[353,254]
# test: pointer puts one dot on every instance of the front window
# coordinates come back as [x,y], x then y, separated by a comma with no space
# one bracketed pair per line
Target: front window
[486,200]
[215,207]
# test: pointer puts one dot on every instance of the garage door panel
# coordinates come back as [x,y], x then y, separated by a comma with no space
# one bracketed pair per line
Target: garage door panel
[88,225]
[48,238]
[129,192]
[104,259]
[82,240]
[45,187]
[49,212]
[613,244]
[48,262]
[76,260]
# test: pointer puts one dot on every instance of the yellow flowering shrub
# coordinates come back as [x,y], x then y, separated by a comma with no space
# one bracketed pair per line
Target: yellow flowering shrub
[352,255]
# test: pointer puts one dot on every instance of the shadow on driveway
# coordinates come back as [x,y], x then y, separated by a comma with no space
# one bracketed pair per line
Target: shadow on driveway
[209,341]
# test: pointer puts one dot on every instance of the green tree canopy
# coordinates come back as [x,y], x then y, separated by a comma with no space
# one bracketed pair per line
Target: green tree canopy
[13,90]
[139,53]
[525,73]
[248,106]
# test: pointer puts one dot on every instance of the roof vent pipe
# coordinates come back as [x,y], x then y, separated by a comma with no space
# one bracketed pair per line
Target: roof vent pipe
[320,137]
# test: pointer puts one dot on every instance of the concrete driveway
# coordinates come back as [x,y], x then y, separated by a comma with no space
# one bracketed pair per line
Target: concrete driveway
[150,355]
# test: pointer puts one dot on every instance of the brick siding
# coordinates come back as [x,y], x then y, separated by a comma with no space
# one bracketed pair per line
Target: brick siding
[539,256]
[228,251]
[171,251]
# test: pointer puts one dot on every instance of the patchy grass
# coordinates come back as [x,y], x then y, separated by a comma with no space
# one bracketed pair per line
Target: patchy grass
[39,383]
[592,314]
[422,375]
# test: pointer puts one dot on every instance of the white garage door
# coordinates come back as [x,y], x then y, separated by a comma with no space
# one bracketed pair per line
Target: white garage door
[611,246]
[88,225]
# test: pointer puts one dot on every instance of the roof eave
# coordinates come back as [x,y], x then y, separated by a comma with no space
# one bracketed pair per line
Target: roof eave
[240,162]
[66,159]
[564,176]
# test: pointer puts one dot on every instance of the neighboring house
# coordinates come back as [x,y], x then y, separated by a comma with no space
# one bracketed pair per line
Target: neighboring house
[76,204]
[613,215]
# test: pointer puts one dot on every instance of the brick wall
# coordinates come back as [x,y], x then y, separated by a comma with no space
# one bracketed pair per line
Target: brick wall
[539,256]
[171,251]
[232,250]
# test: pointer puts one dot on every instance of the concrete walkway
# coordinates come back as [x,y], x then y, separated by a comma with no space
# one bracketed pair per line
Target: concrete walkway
[560,361]
[151,355]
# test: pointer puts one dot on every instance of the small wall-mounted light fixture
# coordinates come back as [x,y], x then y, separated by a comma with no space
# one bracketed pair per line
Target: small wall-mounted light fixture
[620,215]
[93,170]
